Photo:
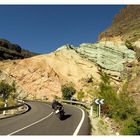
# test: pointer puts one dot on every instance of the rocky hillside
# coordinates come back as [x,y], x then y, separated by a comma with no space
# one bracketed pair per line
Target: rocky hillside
[108,55]
[126,29]
[33,75]
[126,25]
[42,76]
[12,51]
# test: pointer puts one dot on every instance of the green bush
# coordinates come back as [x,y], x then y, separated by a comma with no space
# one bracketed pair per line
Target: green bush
[108,93]
[129,45]
[1,102]
[11,101]
[118,106]
[137,53]
[67,91]
[80,95]
[132,126]
[6,89]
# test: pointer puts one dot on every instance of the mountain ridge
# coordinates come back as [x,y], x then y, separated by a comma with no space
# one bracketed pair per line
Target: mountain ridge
[125,25]
[13,51]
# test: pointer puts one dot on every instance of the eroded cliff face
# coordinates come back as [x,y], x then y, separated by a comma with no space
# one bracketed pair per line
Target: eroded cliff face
[42,76]
[125,26]
[127,14]
[33,75]
[108,55]
[13,51]
[71,66]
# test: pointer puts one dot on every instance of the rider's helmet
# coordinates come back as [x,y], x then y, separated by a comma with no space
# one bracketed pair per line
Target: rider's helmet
[54,100]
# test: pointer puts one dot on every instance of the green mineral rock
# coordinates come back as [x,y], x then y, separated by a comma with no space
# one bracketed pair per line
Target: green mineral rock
[107,54]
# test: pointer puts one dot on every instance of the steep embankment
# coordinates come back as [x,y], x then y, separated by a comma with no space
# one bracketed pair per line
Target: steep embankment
[126,25]
[107,54]
[126,28]
[34,75]
[71,66]
[42,75]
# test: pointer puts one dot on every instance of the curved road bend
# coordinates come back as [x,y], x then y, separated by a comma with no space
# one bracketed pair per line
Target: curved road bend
[41,121]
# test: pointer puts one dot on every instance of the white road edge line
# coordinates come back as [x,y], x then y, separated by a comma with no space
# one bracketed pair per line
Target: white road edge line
[30,125]
[80,124]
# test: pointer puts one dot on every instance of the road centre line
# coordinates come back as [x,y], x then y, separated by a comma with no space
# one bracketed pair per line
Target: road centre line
[30,124]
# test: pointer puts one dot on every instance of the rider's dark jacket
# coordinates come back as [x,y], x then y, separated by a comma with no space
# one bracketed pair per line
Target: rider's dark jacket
[55,104]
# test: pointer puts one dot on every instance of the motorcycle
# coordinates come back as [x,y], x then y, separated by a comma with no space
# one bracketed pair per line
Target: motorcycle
[59,112]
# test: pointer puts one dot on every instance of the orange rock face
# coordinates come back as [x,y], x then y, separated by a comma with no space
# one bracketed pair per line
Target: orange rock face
[42,76]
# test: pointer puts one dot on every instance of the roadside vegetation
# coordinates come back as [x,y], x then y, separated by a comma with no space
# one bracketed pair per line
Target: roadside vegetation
[80,95]
[119,106]
[68,91]
[7,94]
[119,112]
[129,45]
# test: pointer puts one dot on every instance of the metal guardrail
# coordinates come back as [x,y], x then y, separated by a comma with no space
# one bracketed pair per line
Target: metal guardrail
[87,105]
[12,107]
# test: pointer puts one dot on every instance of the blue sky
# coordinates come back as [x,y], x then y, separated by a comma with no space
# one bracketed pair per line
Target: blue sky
[44,28]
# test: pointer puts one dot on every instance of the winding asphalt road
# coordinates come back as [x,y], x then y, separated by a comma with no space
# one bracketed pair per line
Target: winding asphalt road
[40,120]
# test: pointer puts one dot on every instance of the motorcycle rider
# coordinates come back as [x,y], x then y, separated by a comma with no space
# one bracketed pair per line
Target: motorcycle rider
[55,104]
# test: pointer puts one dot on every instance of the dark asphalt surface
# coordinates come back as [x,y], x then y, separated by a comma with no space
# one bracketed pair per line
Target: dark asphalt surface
[47,126]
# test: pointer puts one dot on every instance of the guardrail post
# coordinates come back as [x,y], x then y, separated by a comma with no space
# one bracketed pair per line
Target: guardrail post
[5,105]
[91,110]
[99,111]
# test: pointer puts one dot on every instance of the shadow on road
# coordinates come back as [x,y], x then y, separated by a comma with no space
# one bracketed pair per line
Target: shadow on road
[66,117]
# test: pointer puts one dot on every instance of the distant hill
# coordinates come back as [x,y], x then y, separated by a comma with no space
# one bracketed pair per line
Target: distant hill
[13,51]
